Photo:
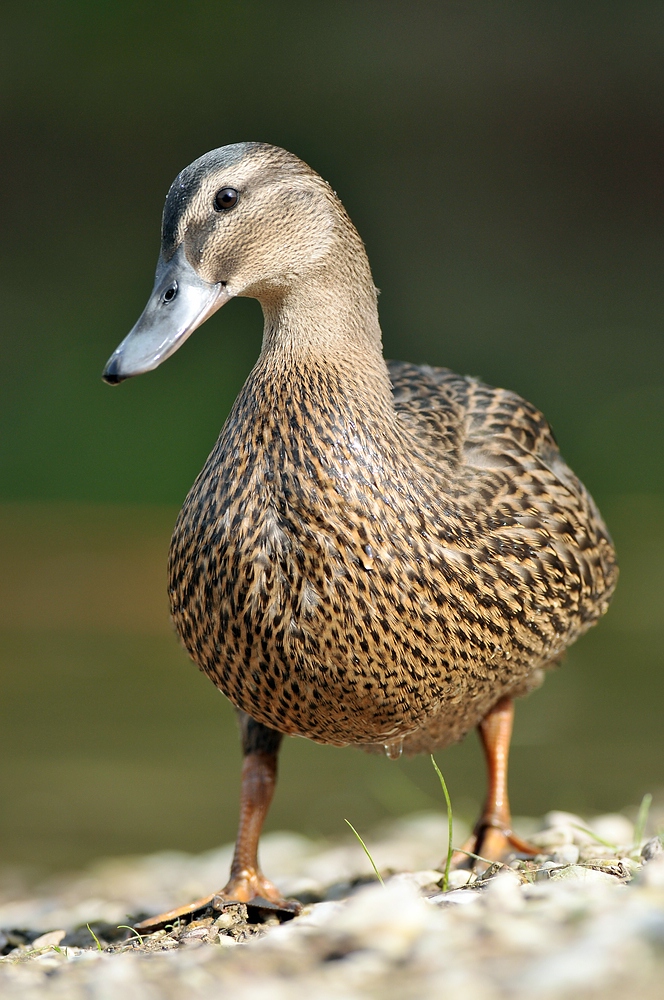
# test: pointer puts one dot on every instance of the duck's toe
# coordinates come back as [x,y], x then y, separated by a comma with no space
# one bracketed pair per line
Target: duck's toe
[249,886]
[490,842]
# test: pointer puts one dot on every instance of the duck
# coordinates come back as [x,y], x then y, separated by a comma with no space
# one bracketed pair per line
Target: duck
[376,553]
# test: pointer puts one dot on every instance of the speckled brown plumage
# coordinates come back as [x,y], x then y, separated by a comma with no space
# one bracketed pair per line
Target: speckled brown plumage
[360,577]
[374,554]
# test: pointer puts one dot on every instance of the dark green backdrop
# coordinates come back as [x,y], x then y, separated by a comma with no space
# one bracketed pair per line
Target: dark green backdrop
[503,163]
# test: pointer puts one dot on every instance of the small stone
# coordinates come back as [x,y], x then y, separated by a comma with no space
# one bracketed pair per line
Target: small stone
[504,892]
[580,874]
[652,849]
[596,852]
[225,940]
[458,877]
[317,915]
[202,933]
[191,942]
[553,837]
[652,874]
[386,920]
[49,940]
[543,871]
[420,880]
[613,828]
[562,828]
[427,877]
[196,926]
[231,917]
[558,817]
[566,854]
[457,897]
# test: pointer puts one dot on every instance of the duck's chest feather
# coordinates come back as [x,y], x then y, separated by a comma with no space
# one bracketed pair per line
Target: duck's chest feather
[334,590]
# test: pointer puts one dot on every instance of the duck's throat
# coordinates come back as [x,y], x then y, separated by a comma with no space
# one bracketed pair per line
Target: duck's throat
[329,328]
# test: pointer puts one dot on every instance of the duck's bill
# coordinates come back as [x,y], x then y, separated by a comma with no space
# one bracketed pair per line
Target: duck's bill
[180,302]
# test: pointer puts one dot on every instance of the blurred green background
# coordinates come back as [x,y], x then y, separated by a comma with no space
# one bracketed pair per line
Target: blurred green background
[504,164]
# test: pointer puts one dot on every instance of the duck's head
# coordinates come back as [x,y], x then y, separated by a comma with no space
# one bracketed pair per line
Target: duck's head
[248,219]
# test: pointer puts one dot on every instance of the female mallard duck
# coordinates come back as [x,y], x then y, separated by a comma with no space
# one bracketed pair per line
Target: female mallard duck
[377,554]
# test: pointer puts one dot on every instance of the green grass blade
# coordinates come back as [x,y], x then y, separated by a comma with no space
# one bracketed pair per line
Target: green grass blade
[450,824]
[595,836]
[97,941]
[366,851]
[126,927]
[641,820]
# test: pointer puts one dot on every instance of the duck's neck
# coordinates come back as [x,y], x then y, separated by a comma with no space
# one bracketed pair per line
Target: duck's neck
[328,321]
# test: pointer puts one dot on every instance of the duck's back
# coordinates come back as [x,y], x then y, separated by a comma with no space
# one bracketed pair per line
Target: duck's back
[391,586]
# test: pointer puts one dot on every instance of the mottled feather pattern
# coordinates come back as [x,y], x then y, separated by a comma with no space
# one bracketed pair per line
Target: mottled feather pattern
[364,577]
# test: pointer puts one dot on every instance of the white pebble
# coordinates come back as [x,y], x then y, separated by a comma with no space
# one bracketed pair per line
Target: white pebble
[419,880]
[652,874]
[581,874]
[613,828]
[557,817]
[566,854]
[503,892]
[553,837]
[49,940]
[386,919]
[457,896]
[459,877]
[226,941]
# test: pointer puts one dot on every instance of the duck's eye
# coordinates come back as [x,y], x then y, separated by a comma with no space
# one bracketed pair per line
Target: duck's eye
[225,199]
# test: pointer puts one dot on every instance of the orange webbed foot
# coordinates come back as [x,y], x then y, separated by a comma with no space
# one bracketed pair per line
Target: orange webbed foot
[248,886]
[488,844]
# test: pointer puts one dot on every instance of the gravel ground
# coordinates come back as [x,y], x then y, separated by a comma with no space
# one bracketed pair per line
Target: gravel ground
[584,919]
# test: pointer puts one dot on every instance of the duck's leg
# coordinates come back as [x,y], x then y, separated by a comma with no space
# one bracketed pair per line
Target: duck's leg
[260,746]
[247,883]
[492,837]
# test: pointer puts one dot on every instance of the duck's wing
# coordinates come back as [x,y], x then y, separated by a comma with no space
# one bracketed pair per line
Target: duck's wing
[497,455]
[467,420]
